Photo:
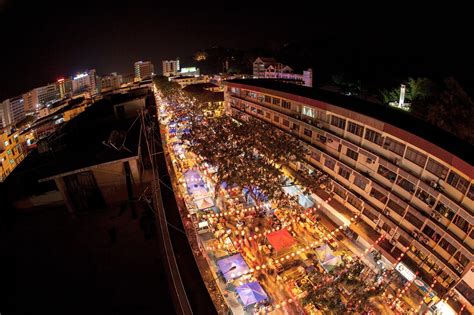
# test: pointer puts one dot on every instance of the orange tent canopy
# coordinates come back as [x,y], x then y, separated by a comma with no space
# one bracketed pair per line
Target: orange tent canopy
[281,239]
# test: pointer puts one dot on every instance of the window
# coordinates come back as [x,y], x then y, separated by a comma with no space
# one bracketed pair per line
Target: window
[416,157]
[463,260]
[286,123]
[405,184]
[356,202]
[307,132]
[360,182]
[354,128]
[461,223]
[388,174]
[296,127]
[458,182]
[276,118]
[275,101]
[431,233]
[252,94]
[394,146]
[338,122]
[470,193]
[344,172]
[378,195]
[268,115]
[436,168]
[370,215]
[341,192]
[414,220]
[268,99]
[308,111]
[425,197]
[447,246]
[444,210]
[352,154]
[253,109]
[373,136]
[316,156]
[259,111]
[396,207]
[329,163]
[285,104]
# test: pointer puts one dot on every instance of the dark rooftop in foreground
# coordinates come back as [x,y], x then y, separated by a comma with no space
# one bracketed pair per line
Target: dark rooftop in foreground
[79,143]
[385,113]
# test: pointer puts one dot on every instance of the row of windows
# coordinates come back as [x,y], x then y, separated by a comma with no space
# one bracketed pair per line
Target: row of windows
[418,158]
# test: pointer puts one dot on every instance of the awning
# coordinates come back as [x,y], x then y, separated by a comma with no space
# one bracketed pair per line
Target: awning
[251,293]
[281,239]
[204,203]
[233,266]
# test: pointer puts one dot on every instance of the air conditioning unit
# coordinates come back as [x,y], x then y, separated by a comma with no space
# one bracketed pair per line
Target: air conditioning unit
[319,125]
[425,240]
[369,160]
[437,217]
[433,214]
[414,233]
[393,242]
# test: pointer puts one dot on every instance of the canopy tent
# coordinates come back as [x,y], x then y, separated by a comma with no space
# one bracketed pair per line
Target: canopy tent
[178,148]
[195,183]
[256,192]
[204,203]
[324,253]
[303,200]
[281,239]
[251,293]
[331,263]
[232,266]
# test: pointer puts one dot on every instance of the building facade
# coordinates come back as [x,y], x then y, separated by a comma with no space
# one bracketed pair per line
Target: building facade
[269,68]
[110,82]
[12,111]
[12,152]
[184,81]
[143,70]
[85,82]
[171,67]
[411,182]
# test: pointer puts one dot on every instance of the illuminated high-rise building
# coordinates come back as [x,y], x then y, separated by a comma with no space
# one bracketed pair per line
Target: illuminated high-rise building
[143,70]
[85,82]
[171,67]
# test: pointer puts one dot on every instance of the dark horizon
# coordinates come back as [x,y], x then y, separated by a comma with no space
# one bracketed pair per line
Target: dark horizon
[45,41]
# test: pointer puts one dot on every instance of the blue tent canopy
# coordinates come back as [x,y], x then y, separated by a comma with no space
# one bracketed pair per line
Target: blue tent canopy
[251,293]
[232,265]
[256,192]
[194,182]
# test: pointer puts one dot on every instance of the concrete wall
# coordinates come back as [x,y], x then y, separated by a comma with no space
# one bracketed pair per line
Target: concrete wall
[111,181]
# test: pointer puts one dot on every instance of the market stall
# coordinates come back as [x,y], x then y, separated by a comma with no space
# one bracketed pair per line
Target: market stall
[251,293]
[233,266]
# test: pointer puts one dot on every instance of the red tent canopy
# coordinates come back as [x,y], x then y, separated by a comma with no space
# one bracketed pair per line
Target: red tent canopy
[281,239]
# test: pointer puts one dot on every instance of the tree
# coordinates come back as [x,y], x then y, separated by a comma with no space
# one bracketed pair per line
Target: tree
[417,91]
[453,110]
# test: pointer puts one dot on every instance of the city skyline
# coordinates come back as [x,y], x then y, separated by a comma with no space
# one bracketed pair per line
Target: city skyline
[71,41]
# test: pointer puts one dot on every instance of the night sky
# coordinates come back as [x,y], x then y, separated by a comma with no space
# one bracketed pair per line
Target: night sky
[49,39]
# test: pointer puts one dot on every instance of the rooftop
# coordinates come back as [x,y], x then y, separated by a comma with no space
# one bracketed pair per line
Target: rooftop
[80,143]
[385,113]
